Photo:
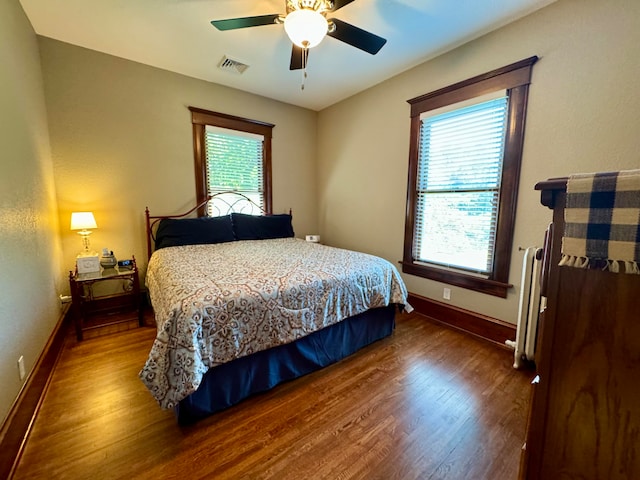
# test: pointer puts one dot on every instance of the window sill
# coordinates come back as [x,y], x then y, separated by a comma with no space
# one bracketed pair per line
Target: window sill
[477,284]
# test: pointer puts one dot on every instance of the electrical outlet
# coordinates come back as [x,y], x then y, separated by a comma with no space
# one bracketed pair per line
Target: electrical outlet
[21,369]
[446,294]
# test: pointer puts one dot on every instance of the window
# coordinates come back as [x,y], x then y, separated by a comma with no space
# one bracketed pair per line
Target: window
[231,153]
[464,167]
[234,162]
[458,184]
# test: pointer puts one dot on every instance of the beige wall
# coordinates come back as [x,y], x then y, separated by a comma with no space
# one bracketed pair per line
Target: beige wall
[121,140]
[584,112]
[30,254]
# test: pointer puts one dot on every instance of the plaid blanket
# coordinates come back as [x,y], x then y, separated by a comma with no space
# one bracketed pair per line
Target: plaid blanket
[602,221]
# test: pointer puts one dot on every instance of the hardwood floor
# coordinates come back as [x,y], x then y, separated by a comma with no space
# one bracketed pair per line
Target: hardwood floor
[427,403]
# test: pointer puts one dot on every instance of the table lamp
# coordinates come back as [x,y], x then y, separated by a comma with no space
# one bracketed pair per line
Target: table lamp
[86,261]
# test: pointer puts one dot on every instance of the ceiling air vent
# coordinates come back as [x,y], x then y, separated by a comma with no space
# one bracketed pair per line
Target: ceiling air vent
[230,65]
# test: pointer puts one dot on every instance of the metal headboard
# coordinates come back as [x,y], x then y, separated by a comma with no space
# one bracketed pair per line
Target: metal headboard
[224,203]
[218,204]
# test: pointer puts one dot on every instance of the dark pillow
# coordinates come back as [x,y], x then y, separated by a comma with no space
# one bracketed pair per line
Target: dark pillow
[173,232]
[253,227]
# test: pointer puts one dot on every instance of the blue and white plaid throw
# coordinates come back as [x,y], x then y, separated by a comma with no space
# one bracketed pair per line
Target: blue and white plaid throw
[602,221]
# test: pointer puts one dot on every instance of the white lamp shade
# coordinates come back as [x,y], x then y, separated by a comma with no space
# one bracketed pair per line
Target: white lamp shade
[83,221]
[306,28]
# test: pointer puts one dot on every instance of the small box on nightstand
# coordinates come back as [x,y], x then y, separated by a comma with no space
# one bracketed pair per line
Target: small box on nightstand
[88,263]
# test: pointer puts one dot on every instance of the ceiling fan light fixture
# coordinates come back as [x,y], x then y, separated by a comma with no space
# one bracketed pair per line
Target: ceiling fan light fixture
[305,27]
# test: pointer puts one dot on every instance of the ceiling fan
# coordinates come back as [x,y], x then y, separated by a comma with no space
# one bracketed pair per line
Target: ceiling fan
[306,24]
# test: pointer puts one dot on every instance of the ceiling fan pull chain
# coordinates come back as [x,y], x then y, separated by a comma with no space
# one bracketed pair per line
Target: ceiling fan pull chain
[304,53]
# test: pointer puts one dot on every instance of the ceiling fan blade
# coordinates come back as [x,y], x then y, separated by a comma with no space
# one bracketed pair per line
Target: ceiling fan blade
[244,22]
[339,4]
[356,37]
[299,57]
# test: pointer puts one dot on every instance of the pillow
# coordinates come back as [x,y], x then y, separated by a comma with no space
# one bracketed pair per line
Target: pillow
[253,227]
[173,232]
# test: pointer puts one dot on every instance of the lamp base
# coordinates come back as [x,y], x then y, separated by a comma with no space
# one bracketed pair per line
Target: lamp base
[88,263]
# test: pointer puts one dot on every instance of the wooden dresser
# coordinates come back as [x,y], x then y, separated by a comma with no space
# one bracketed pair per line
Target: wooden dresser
[585,411]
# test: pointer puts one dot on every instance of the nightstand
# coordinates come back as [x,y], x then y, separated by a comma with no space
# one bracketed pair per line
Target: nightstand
[99,311]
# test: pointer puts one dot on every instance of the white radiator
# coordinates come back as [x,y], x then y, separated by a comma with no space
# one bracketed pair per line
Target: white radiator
[528,310]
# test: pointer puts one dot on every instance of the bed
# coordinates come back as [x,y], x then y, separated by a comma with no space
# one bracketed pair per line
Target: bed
[241,305]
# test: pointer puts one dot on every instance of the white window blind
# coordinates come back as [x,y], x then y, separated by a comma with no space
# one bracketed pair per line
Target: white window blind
[459,172]
[235,162]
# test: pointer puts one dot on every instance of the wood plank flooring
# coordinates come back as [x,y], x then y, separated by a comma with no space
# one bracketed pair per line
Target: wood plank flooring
[427,403]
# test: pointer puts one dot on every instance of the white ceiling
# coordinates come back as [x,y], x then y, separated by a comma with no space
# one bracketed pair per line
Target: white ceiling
[176,35]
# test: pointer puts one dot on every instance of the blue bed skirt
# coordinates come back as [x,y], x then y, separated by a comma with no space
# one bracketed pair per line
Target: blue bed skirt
[232,382]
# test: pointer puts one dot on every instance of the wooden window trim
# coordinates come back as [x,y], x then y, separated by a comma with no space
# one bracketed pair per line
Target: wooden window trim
[514,78]
[200,119]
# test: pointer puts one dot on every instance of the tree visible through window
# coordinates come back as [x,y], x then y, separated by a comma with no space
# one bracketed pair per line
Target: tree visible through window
[232,154]
[464,166]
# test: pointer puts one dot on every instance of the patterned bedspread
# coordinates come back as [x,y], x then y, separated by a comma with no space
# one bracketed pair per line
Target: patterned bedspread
[216,303]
